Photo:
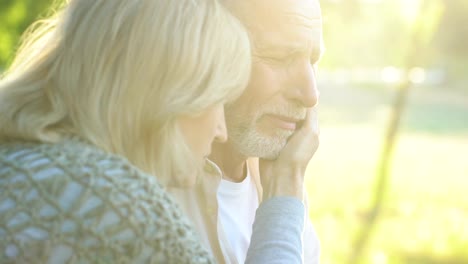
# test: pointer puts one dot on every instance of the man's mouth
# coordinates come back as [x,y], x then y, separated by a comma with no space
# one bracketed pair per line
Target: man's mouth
[287,123]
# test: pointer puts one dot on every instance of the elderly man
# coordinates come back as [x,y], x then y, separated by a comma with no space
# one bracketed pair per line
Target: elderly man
[272,128]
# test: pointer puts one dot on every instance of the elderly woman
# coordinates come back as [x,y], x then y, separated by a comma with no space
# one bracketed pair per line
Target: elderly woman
[107,102]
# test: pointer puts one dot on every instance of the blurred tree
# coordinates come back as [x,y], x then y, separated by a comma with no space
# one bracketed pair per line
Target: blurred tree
[15,17]
[375,34]
[423,25]
[452,35]
[451,42]
[363,34]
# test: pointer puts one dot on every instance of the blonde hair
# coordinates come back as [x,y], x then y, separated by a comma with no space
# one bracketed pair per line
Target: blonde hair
[118,73]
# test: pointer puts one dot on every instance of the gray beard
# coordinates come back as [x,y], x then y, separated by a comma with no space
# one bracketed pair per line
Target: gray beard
[252,143]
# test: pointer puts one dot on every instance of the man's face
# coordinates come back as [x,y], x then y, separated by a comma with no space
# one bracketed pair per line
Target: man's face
[286,42]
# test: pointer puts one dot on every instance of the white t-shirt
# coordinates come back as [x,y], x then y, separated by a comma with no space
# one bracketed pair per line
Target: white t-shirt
[237,204]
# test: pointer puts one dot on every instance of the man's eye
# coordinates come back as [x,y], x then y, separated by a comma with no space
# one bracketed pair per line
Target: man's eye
[274,59]
[280,60]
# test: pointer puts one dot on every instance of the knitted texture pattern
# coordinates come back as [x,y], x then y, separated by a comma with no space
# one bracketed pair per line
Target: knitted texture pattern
[70,202]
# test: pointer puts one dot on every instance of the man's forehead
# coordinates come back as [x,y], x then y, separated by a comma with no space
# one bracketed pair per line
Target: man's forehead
[263,14]
[280,23]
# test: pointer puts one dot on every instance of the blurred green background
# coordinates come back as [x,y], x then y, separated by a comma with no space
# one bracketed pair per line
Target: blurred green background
[388,182]
[394,76]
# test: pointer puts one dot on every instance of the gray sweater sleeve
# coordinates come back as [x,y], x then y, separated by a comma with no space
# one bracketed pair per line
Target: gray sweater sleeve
[277,232]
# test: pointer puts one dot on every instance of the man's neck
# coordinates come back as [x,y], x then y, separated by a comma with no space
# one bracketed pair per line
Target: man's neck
[230,161]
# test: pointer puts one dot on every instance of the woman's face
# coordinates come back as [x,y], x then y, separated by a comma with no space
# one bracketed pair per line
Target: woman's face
[200,131]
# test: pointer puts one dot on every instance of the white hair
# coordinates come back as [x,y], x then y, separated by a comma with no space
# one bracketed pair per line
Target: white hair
[118,73]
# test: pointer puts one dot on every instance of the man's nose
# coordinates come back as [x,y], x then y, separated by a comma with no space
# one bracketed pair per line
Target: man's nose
[303,86]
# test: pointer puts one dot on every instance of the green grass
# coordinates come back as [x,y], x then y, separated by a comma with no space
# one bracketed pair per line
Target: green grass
[425,216]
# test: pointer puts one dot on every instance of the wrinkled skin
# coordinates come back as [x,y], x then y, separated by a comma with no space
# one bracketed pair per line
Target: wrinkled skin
[275,119]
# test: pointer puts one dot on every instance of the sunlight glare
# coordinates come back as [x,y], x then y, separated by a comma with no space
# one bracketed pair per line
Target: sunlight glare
[391,74]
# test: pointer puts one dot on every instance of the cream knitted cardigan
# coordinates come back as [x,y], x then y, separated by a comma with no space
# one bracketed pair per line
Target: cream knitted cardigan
[71,202]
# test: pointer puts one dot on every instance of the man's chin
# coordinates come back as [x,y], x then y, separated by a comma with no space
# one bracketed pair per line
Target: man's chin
[263,148]
[255,142]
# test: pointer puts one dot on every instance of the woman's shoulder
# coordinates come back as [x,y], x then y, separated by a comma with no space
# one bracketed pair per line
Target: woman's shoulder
[70,158]
[72,189]
[77,176]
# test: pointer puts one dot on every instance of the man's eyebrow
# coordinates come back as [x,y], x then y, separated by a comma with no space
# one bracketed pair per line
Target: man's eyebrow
[315,54]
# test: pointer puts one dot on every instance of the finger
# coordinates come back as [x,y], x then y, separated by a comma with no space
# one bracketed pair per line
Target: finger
[311,121]
[314,122]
